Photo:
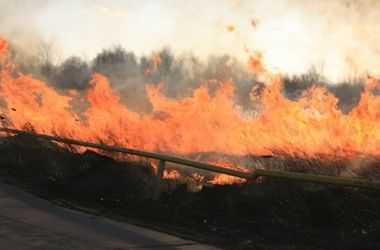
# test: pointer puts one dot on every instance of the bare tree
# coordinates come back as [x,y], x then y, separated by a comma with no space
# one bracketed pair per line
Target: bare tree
[73,73]
[48,57]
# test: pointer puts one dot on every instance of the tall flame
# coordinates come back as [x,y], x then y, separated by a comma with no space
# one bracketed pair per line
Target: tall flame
[312,126]
[3,46]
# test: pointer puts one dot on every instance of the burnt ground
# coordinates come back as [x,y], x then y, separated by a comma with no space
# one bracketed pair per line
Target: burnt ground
[271,214]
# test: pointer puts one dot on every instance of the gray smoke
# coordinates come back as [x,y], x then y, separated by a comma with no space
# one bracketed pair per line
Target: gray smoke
[17,25]
[344,25]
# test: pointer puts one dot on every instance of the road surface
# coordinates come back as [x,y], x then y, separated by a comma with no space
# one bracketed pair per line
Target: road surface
[27,222]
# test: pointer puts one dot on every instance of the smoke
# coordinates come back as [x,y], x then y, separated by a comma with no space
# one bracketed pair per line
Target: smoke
[17,18]
[18,25]
[341,38]
[338,39]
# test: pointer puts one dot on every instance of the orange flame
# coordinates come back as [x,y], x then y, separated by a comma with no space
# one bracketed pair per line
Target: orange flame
[312,126]
[230,28]
[255,64]
[254,23]
[3,46]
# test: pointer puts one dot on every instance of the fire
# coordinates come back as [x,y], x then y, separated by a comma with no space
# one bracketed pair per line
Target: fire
[230,28]
[222,179]
[254,23]
[312,126]
[3,46]
[255,64]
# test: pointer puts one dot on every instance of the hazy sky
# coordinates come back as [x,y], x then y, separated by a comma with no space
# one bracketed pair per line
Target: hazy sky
[87,26]
[340,37]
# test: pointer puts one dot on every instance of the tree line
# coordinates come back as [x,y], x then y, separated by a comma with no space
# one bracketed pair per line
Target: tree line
[128,74]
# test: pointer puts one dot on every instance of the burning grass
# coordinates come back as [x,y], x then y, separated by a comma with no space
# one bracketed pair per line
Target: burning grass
[209,120]
[306,134]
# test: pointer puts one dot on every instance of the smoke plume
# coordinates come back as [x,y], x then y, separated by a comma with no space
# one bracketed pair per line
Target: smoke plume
[341,38]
